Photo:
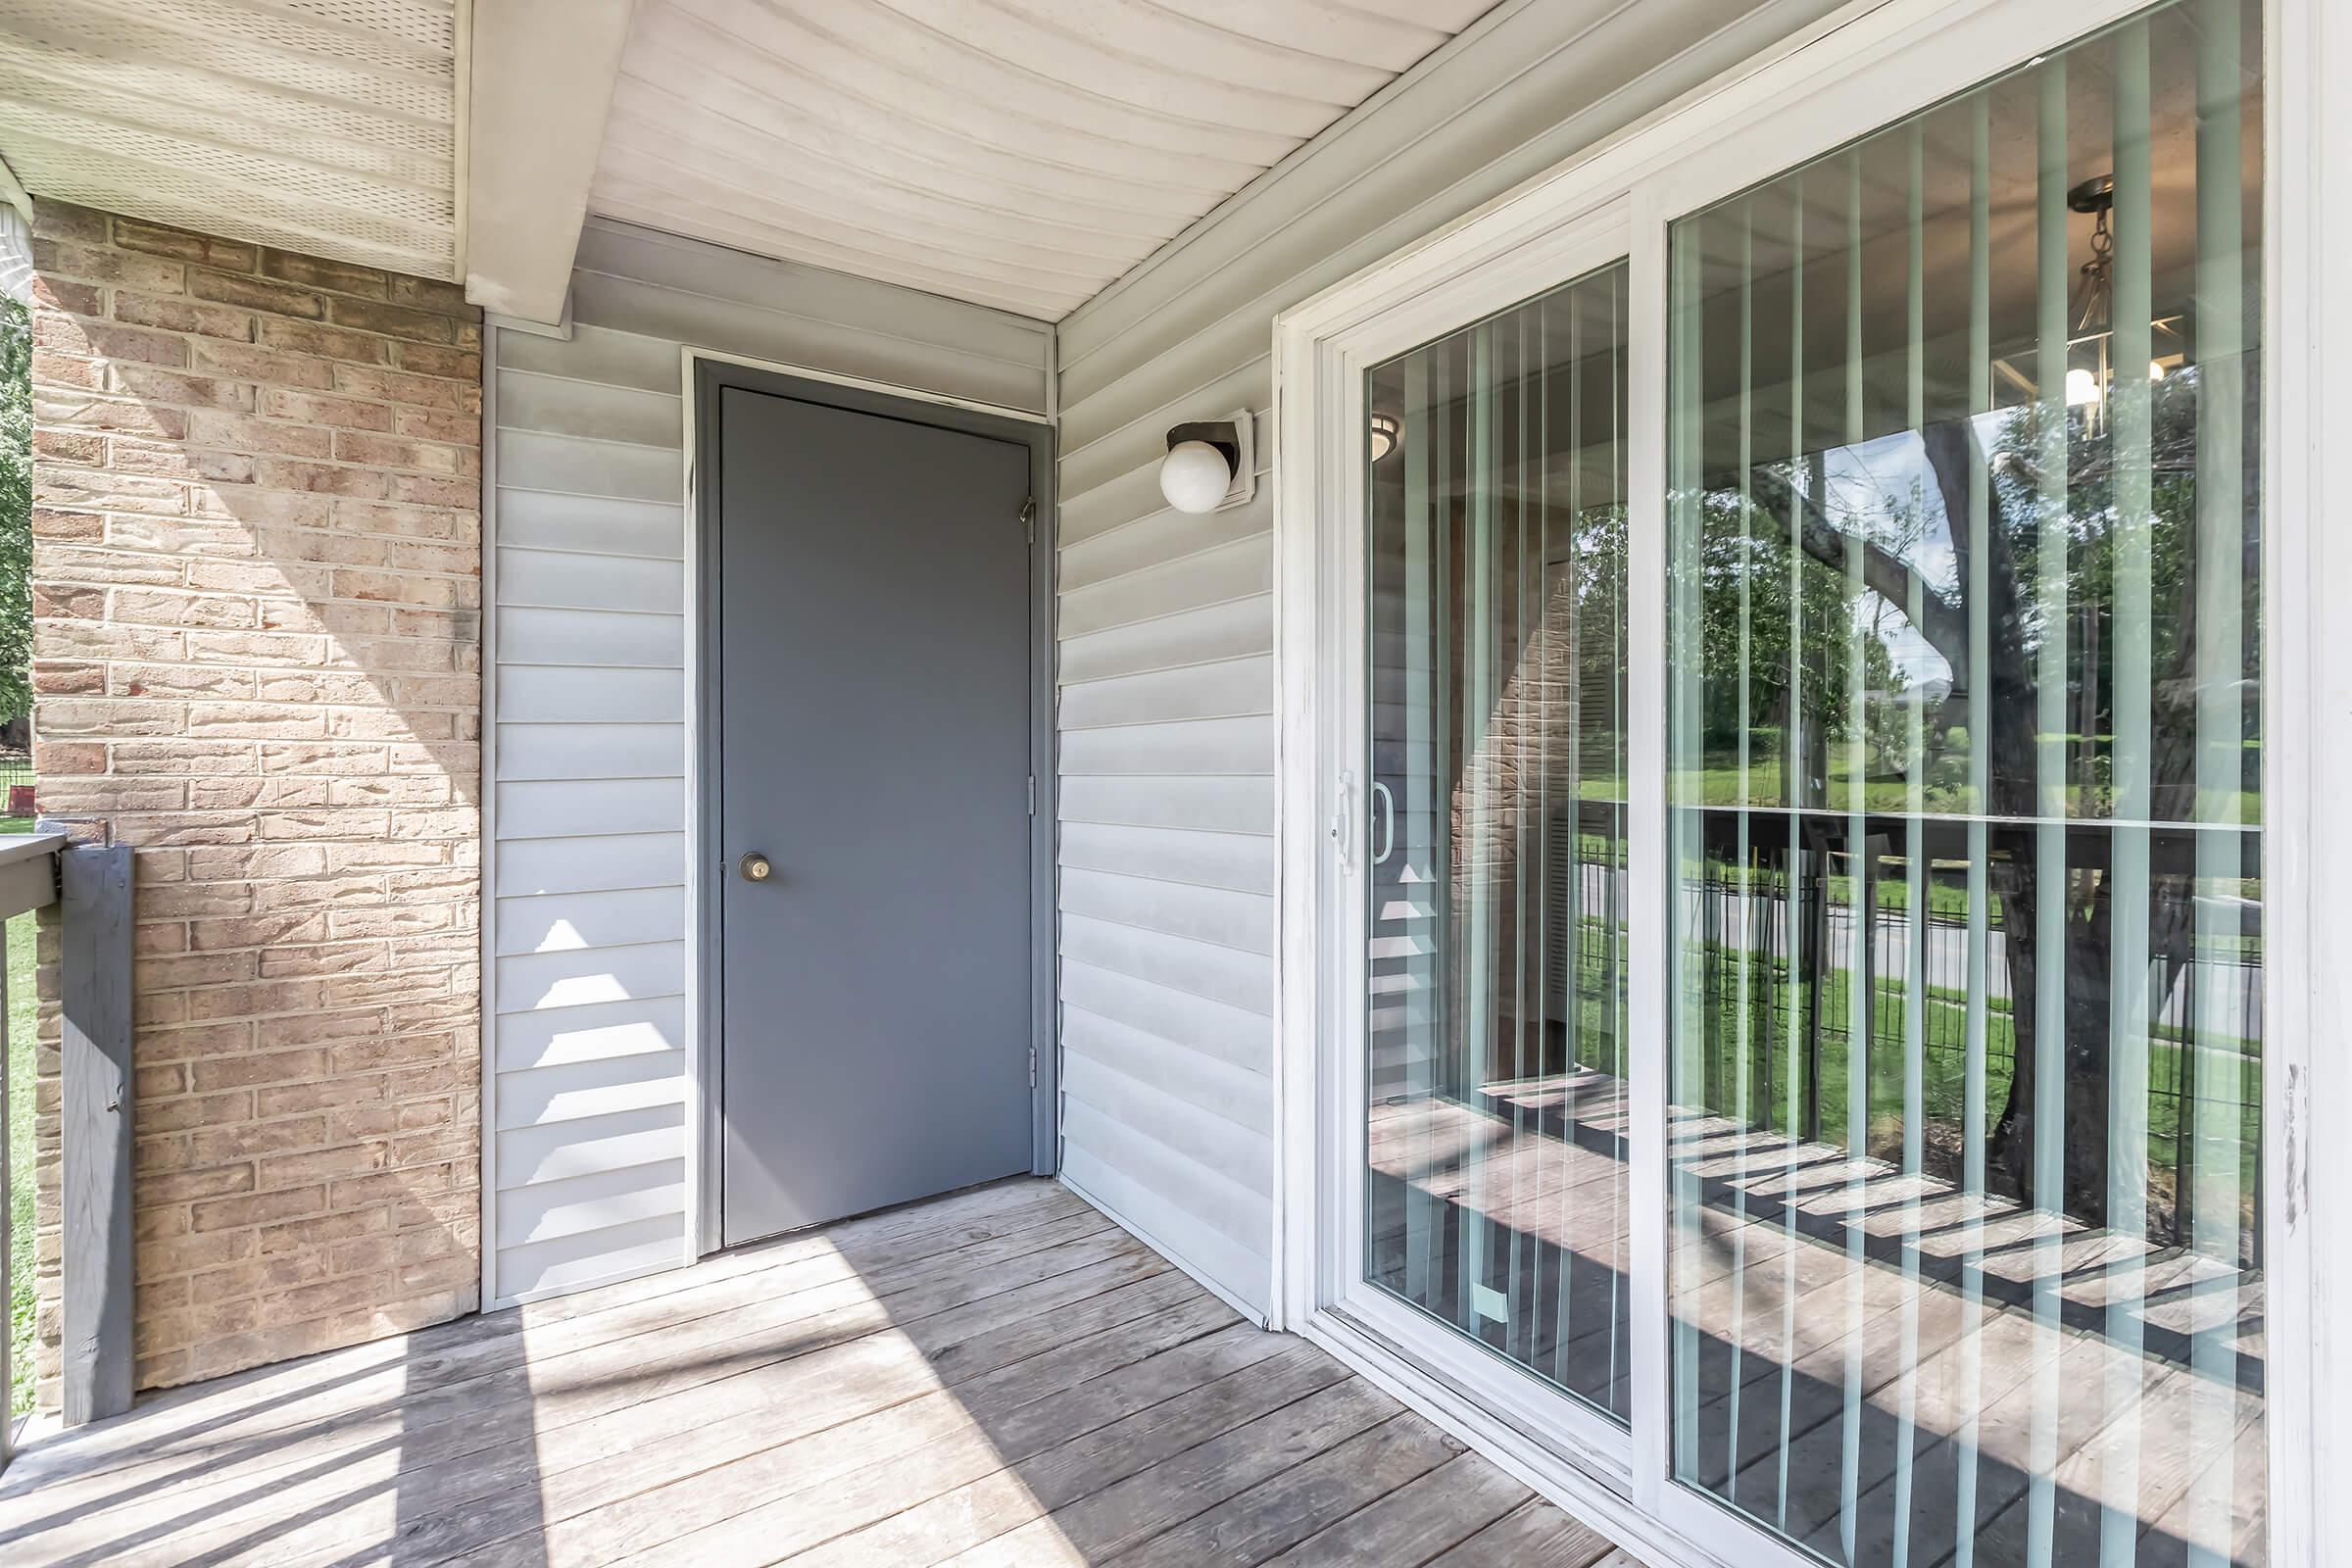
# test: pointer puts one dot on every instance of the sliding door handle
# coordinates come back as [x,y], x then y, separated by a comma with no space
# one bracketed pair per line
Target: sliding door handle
[1342,825]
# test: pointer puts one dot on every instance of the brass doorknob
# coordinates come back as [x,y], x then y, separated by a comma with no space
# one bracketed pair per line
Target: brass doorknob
[755,867]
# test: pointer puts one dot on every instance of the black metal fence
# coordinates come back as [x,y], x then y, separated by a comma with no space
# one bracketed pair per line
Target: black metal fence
[15,784]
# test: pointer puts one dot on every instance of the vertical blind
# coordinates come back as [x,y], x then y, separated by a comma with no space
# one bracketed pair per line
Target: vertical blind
[1964,762]
[1496,1174]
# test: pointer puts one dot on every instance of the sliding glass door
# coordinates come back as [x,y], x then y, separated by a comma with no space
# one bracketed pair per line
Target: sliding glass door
[1496,1171]
[1964,757]
[1800,842]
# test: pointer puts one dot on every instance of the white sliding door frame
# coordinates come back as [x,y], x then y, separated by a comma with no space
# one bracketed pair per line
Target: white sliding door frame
[1868,65]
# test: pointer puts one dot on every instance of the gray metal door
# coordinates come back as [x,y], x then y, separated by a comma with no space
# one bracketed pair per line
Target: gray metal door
[873,593]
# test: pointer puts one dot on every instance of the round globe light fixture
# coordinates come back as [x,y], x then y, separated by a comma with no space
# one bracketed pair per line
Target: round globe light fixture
[1195,477]
[1206,458]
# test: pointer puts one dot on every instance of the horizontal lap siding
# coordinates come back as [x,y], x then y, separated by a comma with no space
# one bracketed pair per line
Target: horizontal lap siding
[1166,621]
[591,1101]
[589,863]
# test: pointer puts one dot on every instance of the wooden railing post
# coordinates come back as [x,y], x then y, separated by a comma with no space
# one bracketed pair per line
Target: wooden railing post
[94,887]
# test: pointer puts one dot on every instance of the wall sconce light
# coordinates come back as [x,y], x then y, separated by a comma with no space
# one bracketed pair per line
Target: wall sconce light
[1383,431]
[1209,466]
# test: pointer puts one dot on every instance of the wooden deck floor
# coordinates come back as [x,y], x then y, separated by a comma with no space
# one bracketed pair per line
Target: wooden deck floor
[1000,1377]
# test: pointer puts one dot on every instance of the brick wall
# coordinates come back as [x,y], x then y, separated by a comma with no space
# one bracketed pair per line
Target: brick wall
[256,590]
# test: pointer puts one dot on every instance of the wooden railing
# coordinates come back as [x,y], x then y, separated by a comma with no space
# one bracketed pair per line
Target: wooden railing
[92,887]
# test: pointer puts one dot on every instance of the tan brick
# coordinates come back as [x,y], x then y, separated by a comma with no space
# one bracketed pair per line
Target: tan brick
[312,409]
[71,564]
[327,342]
[186,1255]
[183,756]
[428,294]
[240,432]
[52,601]
[88,680]
[419,522]
[57,294]
[56,220]
[180,314]
[153,239]
[395,451]
[260,932]
[221,1146]
[392,321]
[323,1165]
[49,522]
[108,717]
[56,759]
[256,507]
[110,797]
[158,1082]
[247,1072]
[249,363]
[311,271]
[258,719]
[434,424]
[408,589]
[257,294]
[330,1093]
[390,1185]
[400,386]
[155,385]
[53,407]
[49,369]
[68,334]
[324,1231]
[259,578]
[426,490]
[256,658]
[183,463]
[184,1185]
[97,264]
[256,1209]
[187,1111]
[158,608]
[323,478]
[95,490]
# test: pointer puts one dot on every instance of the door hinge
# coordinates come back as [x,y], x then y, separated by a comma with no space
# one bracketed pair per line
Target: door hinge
[1033,1067]
[1029,519]
[1033,794]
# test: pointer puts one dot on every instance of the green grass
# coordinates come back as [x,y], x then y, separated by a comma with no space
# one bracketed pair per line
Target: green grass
[1716,782]
[20,1005]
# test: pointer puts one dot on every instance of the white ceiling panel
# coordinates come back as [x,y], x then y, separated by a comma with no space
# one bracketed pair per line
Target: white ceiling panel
[1015,153]
[326,127]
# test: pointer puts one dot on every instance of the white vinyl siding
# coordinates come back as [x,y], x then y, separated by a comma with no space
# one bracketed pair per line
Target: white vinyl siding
[588,866]
[1166,621]
[591,1095]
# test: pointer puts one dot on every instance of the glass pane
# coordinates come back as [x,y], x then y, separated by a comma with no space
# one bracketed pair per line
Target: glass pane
[1964,758]
[1497,1149]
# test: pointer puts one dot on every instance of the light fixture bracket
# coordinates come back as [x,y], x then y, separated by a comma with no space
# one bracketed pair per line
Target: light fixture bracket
[1231,436]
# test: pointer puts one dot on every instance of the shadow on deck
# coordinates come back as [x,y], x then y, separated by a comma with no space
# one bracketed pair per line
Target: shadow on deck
[999,1377]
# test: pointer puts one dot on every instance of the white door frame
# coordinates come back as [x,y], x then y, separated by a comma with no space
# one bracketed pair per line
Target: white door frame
[1866,66]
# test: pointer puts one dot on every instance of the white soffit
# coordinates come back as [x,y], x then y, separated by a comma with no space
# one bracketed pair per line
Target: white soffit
[1015,153]
[324,127]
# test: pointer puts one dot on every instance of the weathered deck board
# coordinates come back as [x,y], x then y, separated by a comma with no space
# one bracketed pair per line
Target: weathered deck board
[999,1376]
